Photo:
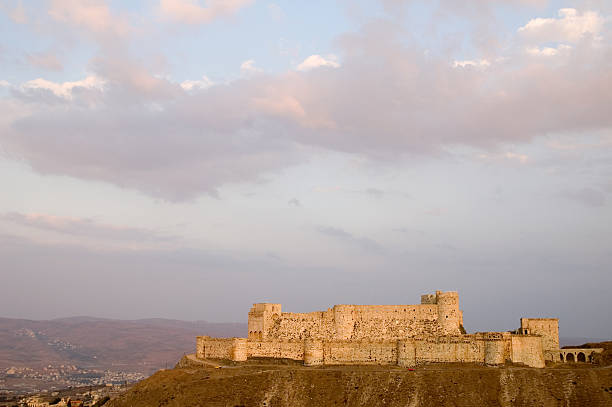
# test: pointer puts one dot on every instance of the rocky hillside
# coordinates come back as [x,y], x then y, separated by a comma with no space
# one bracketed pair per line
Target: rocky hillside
[294,386]
[144,345]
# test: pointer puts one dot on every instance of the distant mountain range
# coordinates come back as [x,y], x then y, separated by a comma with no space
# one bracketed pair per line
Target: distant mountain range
[143,345]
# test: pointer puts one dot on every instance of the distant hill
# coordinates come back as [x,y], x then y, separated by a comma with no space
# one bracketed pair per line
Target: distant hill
[138,346]
[575,341]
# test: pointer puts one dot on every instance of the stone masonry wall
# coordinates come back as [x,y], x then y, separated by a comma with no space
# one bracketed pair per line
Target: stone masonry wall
[406,335]
[438,314]
[548,328]
[361,352]
[527,349]
[214,348]
[276,349]
[490,348]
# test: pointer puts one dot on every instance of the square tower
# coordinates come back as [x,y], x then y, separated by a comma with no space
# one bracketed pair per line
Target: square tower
[548,328]
[261,318]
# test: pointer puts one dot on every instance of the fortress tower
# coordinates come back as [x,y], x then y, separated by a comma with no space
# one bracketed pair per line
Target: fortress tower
[261,318]
[344,321]
[449,315]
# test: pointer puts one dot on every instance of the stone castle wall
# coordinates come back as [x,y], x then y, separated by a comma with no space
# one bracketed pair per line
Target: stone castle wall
[482,348]
[527,349]
[438,314]
[406,335]
[548,328]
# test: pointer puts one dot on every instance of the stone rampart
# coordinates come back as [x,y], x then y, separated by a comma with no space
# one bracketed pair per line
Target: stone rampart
[214,348]
[438,314]
[548,328]
[406,335]
[346,352]
[527,349]
[483,348]
[283,349]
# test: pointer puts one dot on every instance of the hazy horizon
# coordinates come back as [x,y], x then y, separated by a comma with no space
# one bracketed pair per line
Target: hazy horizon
[185,159]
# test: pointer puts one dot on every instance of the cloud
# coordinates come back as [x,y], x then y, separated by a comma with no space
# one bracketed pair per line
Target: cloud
[81,227]
[4,84]
[571,26]
[363,243]
[198,84]
[18,14]
[507,156]
[248,66]
[317,61]
[129,125]
[65,89]
[46,61]
[562,49]
[587,196]
[483,63]
[191,12]
[375,193]
[294,202]
[92,15]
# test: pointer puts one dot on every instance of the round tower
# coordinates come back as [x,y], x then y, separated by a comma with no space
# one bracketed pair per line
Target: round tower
[344,321]
[449,315]
[313,352]
[239,349]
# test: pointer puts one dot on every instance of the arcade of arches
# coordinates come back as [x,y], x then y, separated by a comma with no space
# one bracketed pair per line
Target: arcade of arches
[577,355]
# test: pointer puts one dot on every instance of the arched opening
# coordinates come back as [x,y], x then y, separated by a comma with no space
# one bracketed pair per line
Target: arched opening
[561,356]
[581,357]
[570,357]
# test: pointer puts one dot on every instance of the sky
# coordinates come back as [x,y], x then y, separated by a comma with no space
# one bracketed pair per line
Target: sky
[186,159]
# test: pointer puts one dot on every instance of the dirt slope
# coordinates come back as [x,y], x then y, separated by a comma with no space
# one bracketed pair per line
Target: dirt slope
[295,386]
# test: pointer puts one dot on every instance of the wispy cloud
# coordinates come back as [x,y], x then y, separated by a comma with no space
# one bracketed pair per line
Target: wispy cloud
[82,227]
[48,61]
[294,202]
[363,243]
[191,12]
[588,196]
[92,15]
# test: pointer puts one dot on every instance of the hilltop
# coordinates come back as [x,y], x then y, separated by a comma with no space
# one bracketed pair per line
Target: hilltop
[263,383]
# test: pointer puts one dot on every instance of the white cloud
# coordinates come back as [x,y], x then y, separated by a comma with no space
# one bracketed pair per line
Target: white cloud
[549,51]
[482,63]
[571,26]
[203,83]
[388,101]
[64,89]
[191,12]
[317,61]
[248,66]
[4,84]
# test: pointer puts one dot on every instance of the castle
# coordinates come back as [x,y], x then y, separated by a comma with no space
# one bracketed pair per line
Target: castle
[405,335]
